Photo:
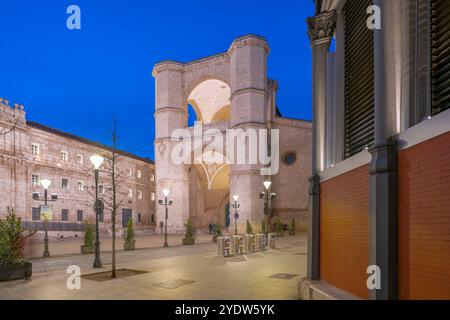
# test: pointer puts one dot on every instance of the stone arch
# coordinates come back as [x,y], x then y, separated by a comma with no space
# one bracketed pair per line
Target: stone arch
[221,210]
[243,67]
[210,100]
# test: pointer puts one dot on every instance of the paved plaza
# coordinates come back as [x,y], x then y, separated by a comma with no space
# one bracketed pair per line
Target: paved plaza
[178,272]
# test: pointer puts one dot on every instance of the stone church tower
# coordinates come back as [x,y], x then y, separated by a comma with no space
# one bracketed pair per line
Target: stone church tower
[227,91]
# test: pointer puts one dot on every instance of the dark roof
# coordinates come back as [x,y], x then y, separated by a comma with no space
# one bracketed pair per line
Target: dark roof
[86,141]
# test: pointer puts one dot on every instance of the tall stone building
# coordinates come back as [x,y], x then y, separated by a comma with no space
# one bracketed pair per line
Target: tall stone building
[30,152]
[227,91]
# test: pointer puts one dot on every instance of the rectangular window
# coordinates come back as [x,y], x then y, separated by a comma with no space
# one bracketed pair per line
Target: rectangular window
[80,159]
[35,149]
[139,174]
[100,217]
[64,184]
[64,156]
[80,186]
[35,214]
[440,53]
[359,78]
[79,215]
[152,196]
[152,218]
[139,195]
[35,180]
[130,193]
[129,172]
[101,189]
[152,177]
[64,215]
[139,218]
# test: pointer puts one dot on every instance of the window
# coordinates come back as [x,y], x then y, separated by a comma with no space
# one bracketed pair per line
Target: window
[152,196]
[139,218]
[35,214]
[80,186]
[64,156]
[152,177]
[289,158]
[100,217]
[130,193]
[80,159]
[101,189]
[64,184]
[359,91]
[35,149]
[152,218]
[440,62]
[139,195]
[64,215]
[139,174]
[35,180]
[79,215]
[129,172]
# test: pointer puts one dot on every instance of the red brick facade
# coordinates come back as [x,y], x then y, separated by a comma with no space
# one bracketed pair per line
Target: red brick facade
[424,220]
[344,231]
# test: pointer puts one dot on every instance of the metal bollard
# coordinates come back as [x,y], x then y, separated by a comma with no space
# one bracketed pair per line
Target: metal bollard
[249,243]
[271,241]
[237,244]
[220,246]
[227,248]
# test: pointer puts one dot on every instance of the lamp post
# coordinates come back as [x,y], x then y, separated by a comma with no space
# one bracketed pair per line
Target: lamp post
[166,203]
[266,196]
[235,205]
[45,183]
[97,161]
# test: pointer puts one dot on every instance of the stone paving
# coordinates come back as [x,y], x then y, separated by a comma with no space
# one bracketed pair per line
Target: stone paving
[182,272]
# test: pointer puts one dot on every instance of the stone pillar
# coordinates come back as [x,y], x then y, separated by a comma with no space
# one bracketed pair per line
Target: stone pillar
[320,29]
[383,168]
[248,84]
[170,114]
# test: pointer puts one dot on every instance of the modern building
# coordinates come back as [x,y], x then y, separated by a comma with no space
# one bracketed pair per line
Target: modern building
[31,152]
[381,150]
[228,91]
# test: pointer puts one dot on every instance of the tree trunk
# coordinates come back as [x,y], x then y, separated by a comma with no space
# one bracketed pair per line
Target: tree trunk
[114,211]
[113,218]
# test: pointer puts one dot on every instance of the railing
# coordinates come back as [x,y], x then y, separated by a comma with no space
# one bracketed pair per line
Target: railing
[54,226]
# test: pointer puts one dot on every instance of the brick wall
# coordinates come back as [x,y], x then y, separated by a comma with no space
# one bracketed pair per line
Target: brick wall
[344,231]
[424,220]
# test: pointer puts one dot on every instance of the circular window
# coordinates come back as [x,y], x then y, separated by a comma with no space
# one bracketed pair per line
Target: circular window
[290,158]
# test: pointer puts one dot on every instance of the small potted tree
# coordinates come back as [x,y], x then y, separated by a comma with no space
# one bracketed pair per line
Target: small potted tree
[279,228]
[249,228]
[130,241]
[12,243]
[189,237]
[217,232]
[292,227]
[89,239]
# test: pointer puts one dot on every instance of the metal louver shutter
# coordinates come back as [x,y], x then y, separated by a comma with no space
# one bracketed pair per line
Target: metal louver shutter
[359,78]
[440,50]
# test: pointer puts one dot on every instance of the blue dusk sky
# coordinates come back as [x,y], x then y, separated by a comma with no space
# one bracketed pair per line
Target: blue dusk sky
[76,80]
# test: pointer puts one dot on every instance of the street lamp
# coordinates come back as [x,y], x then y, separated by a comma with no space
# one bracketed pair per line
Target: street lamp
[45,183]
[235,205]
[97,161]
[166,203]
[266,196]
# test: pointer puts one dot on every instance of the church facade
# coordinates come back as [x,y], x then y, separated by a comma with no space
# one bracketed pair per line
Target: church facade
[235,106]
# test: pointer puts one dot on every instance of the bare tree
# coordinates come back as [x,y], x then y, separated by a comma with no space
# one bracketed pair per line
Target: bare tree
[114,197]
